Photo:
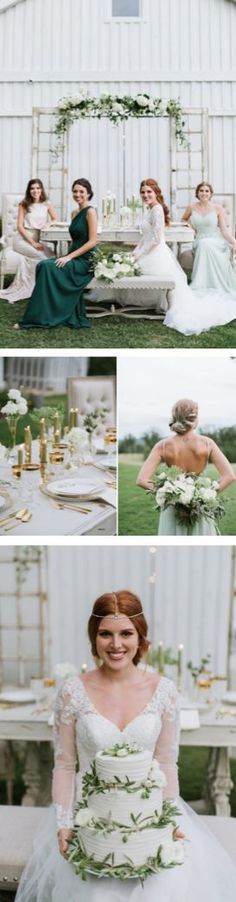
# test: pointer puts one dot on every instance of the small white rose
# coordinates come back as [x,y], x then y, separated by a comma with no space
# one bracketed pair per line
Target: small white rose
[22,407]
[83,817]
[122,753]
[9,408]
[157,774]
[142,100]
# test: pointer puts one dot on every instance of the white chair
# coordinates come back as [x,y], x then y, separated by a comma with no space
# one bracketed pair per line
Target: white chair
[227,201]
[88,392]
[9,258]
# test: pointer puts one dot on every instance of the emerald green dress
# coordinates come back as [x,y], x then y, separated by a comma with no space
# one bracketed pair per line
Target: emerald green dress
[58,294]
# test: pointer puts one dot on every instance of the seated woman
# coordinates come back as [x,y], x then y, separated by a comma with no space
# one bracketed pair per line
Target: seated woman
[34,213]
[57,298]
[211,259]
[191,453]
[191,311]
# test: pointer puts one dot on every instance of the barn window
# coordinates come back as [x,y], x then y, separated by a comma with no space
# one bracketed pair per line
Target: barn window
[127,8]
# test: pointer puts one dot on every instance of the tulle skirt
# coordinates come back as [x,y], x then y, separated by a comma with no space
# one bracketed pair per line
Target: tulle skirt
[208,874]
[191,311]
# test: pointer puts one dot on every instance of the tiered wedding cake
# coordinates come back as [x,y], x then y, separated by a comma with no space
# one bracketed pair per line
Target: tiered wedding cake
[124,828]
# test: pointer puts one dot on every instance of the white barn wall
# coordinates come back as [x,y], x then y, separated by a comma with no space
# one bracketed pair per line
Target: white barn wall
[189,603]
[183,48]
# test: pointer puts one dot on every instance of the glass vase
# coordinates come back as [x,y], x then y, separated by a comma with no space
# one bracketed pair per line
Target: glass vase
[12,426]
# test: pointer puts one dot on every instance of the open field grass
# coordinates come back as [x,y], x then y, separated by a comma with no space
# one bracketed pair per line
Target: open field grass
[111,332]
[137,514]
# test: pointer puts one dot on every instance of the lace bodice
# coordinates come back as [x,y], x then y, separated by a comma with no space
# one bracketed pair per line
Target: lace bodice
[81,731]
[153,227]
[36,217]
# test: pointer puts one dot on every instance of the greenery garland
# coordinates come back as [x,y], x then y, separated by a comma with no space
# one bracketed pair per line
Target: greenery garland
[117,109]
[92,783]
[85,865]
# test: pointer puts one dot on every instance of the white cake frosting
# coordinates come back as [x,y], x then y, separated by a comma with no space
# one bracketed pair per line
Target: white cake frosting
[139,846]
[121,804]
[135,766]
[124,808]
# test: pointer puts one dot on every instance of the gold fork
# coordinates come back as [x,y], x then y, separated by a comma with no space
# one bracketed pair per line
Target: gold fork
[24,518]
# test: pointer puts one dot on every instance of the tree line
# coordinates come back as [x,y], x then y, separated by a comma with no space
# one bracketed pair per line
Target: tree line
[225,438]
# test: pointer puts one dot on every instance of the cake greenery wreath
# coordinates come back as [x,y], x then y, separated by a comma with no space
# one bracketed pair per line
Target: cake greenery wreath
[161,849]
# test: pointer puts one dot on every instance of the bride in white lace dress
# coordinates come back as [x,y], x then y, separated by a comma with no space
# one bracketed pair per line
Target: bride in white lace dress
[191,311]
[113,703]
[34,213]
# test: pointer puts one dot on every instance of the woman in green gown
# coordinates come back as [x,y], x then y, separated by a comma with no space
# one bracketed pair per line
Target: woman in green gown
[57,298]
[190,453]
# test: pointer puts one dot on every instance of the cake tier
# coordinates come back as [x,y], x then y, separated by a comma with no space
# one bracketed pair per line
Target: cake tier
[120,804]
[139,846]
[134,766]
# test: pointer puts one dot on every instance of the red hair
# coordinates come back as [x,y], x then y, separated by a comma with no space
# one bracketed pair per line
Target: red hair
[126,603]
[159,196]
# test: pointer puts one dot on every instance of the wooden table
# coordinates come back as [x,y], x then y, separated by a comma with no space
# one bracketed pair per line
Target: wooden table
[27,724]
[175,235]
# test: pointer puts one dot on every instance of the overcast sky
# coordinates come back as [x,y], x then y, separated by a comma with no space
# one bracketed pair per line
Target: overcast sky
[148,388]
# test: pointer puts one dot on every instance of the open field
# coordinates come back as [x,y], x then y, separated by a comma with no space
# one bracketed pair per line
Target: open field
[137,514]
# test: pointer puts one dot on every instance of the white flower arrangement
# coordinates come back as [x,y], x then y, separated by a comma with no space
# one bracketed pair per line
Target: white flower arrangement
[117,109]
[191,495]
[16,406]
[77,436]
[115,266]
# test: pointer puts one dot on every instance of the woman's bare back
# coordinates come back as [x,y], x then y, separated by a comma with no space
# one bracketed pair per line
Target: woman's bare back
[189,452]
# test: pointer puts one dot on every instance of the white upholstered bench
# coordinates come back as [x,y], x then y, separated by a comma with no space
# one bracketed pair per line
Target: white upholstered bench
[135,295]
[18,826]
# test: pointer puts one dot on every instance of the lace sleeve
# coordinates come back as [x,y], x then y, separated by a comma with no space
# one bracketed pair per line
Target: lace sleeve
[167,746]
[63,786]
[157,223]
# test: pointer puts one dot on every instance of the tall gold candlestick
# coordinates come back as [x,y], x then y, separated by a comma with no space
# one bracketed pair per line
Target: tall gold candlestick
[76,414]
[28,444]
[56,437]
[56,423]
[43,451]
[20,456]
[42,428]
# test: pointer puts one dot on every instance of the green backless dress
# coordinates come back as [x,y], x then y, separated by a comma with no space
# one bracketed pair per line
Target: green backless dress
[169,525]
[57,298]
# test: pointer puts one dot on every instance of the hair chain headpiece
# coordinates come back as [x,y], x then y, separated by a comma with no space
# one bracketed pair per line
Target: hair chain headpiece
[117,614]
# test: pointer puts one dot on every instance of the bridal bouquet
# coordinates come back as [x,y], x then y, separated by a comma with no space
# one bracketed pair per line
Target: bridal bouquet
[191,495]
[110,266]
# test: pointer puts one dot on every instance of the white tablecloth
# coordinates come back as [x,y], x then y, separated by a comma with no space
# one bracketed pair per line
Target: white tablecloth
[46,520]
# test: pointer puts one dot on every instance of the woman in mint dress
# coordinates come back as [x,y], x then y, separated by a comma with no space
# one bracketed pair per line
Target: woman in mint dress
[57,298]
[191,453]
[213,245]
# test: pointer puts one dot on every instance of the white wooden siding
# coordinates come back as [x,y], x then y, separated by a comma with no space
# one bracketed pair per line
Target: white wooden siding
[189,603]
[174,36]
[179,48]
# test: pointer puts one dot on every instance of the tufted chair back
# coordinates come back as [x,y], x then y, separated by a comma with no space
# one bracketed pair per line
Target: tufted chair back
[9,258]
[88,392]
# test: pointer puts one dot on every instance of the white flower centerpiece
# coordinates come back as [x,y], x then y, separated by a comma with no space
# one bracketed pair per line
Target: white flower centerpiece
[78,446]
[15,408]
[190,494]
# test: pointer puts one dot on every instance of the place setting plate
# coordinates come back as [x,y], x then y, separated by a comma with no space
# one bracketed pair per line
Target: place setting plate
[17,697]
[74,489]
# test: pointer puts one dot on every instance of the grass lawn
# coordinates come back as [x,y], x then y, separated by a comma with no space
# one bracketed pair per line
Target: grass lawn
[111,332]
[137,515]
